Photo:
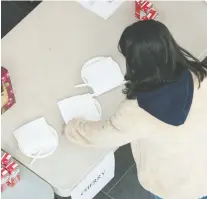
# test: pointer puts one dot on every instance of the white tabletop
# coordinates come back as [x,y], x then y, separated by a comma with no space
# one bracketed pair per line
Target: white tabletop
[44,55]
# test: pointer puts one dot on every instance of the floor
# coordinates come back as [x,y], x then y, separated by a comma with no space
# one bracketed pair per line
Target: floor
[125,184]
[12,12]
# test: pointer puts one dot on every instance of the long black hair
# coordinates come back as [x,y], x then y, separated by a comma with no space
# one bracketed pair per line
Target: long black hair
[154,59]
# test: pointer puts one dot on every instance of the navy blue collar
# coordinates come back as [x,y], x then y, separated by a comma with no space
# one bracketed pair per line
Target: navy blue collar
[171,103]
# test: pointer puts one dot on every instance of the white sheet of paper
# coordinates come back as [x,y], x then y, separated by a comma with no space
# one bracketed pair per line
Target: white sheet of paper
[80,106]
[35,137]
[103,8]
[103,75]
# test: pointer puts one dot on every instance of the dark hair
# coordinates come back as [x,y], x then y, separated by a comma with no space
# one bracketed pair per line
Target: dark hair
[154,59]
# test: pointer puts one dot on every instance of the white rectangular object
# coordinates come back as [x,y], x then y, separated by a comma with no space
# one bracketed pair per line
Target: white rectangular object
[96,179]
[80,106]
[103,8]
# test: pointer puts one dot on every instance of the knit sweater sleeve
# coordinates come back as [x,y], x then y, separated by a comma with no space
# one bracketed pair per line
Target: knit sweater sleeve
[120,129]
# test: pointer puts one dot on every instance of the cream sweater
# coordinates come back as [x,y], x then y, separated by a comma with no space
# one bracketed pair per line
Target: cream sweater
[171,161]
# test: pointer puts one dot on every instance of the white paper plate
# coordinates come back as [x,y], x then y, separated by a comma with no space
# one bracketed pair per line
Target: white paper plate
[88,63]
[37,156]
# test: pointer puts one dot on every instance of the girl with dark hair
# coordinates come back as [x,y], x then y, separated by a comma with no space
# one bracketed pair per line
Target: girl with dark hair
[164,114]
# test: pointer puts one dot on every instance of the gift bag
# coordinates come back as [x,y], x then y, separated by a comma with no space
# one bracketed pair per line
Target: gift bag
[7,94]
[10,172]
[144,10]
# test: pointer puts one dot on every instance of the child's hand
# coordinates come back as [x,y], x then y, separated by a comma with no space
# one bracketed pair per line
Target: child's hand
[71,126]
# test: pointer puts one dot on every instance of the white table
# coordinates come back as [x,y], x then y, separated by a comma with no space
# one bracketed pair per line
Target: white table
[44,55]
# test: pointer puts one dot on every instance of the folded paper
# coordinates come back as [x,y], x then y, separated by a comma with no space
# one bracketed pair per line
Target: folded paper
[104,8]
